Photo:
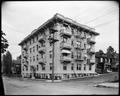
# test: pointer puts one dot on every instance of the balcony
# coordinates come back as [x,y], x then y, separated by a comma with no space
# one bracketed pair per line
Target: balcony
[52,40]
[65,59]
[91,51]
[25,63]
[77,35]
[41,38]
[41,49]
[78,58]
[90,61]
[79,47]
[25,55]
[65,32]
[42,60]
[65,45]
[53,30]
[25,47]
[82,36]
[65,52]
[91,41]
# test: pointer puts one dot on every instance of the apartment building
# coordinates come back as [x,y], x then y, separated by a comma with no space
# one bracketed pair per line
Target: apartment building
[61,47]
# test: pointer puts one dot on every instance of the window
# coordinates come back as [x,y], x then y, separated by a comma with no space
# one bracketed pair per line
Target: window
[50,44]
[50,54]
[79,67]
[90,67]
[101,59]
[37,67]
[30,42]
[37,57]
[72,67]
[72,56]
[37,47]
[37,38]
[50,66]
[30,50]
[85,46]
[65,39]
[64,67]
[33,49]
[72,42]
[41,55]
[43,67]
[30,59]
[33,40]
[23,53]
[26,68]
[33,58]
[22,60]
[84,66]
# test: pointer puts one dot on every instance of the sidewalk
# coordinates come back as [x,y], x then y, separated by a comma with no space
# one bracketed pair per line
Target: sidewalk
[108,85]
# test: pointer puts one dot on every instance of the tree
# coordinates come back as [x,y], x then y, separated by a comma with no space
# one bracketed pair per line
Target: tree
[112,57]
[8,63]
[99,53]
[4,43]
[110,52]
[4,46]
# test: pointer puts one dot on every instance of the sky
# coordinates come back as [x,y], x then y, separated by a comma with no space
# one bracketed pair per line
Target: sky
[20,18]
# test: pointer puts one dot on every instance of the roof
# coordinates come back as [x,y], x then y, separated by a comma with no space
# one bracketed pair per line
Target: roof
[59,16]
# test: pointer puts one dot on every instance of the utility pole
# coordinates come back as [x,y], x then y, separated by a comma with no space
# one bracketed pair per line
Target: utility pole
[53,61]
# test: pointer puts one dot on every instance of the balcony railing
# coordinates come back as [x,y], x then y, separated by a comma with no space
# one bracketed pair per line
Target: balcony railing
[77,35]
[53,30]
[51,39]
[25,47]
[25,55]
[79,58]
[65,32]
[79,47]
[82,36]
[91,51]
[42,49]
[65,45]
[41,38]
[90,61]
[42,60]
[91,40]
[65,59]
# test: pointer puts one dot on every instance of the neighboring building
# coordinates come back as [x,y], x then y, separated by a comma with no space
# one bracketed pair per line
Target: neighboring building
[101,63]
[74,50]
[113,62]
[16,66]
[105,63]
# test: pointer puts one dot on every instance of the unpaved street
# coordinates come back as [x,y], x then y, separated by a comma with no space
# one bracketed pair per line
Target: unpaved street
[15,86]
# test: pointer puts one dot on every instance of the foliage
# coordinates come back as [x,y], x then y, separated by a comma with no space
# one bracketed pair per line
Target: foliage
[7,63]
[4,43]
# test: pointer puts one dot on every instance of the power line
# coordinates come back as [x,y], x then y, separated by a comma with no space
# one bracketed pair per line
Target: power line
[99,17]
[105,23]
[98,10]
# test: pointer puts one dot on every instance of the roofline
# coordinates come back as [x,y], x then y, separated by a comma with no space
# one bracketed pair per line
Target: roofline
[59,16]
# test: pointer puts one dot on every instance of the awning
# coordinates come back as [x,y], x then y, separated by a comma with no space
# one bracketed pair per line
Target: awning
[66,51]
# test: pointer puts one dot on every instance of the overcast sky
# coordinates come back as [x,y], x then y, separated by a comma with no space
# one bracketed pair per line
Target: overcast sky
[20,18]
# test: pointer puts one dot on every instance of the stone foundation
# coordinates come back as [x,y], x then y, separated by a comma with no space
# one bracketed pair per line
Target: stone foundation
[58,76]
